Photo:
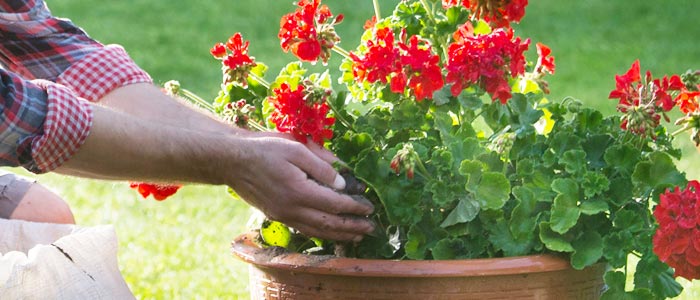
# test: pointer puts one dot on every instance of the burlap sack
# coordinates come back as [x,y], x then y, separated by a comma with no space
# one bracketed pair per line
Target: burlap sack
[52,261]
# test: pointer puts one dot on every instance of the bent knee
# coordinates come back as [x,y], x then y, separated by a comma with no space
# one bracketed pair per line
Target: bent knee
[40,204]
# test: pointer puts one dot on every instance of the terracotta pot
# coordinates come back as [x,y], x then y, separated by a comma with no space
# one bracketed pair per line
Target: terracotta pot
[275,274]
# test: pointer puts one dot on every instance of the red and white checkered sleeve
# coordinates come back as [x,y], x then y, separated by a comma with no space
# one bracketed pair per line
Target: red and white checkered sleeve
[67,125]
[102,71]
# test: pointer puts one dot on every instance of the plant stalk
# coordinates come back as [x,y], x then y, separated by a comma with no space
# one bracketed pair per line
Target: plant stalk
[260,80]
[377,13]
[341,51]
[196,99]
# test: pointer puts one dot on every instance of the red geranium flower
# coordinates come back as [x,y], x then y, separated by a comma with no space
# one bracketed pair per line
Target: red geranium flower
[302,112]
[688,101]
[644,102]
[237,64]
[218,51]
[413,64]
[422,67]
[380,61]
[545,62]
[308,32]
[677,240]
[160,192]
[485,60]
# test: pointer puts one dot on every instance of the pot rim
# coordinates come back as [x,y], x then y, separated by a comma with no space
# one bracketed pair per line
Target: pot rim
[247,250]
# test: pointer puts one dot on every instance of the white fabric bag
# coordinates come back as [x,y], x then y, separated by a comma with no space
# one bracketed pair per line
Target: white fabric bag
[55,261]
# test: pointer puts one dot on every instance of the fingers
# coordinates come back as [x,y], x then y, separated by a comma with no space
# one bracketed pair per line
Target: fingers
[317,168]
[329,201]
[321,152]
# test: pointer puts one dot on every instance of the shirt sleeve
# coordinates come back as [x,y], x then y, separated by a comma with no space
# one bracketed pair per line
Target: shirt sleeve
[35,44]
[42,123]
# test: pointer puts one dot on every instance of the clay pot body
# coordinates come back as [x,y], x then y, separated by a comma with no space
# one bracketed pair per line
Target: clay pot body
[281,275]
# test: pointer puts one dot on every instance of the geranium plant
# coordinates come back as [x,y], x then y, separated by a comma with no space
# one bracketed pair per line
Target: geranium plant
[446,124]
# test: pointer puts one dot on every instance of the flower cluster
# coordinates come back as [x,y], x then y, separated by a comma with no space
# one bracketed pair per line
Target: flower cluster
[644,102]
[302,111]
[487,60]
[237,64]
[238,113]
[413,64]
[500,13]
[688,101]
[308,32]
[677,240]
[160,192]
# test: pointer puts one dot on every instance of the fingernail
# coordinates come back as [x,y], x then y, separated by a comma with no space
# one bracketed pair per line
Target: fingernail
[339,183]
[357,239]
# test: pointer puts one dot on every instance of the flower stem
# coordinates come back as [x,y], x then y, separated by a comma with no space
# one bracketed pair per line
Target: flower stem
[196,99]
[260,80]
[339,116]
[258,127]
[681,130]
[421,168]
[377,13]
[341,51]
[428,9]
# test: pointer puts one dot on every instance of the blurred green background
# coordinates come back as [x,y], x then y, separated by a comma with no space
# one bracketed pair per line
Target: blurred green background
[179,248]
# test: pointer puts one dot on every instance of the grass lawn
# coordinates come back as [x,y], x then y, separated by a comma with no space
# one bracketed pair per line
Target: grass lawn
[179,248]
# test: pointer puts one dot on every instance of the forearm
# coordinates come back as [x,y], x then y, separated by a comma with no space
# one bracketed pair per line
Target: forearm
[124,147]
[144,100]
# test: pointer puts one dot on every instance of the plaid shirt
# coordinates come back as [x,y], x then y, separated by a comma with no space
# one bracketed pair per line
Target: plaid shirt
[51,67]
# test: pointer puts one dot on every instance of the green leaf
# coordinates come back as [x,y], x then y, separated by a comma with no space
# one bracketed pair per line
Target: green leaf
[407,115]
[588,249]
[615,282]
[617,246]
[565,186]
[658,172]
[623,157]
[416,245]
[493,190]
[442,96]
[565,213]
[422,237]
[656,276]
[472,170]
[564,141]
[525,168]
[594,206]
[574,161]
[470,101]
[467,209]
[398,195]
[595,147]
[348,146]
[448,248]
[594,183]
[620,191]
[523,220]
[274,233]
[554,241]
[502,238]
[524,111]
[588,120]
[630,220]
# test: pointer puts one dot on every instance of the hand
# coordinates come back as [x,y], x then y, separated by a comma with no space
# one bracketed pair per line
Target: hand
[286,181]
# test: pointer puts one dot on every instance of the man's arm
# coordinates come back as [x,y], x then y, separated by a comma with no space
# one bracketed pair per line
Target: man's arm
[268,172]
